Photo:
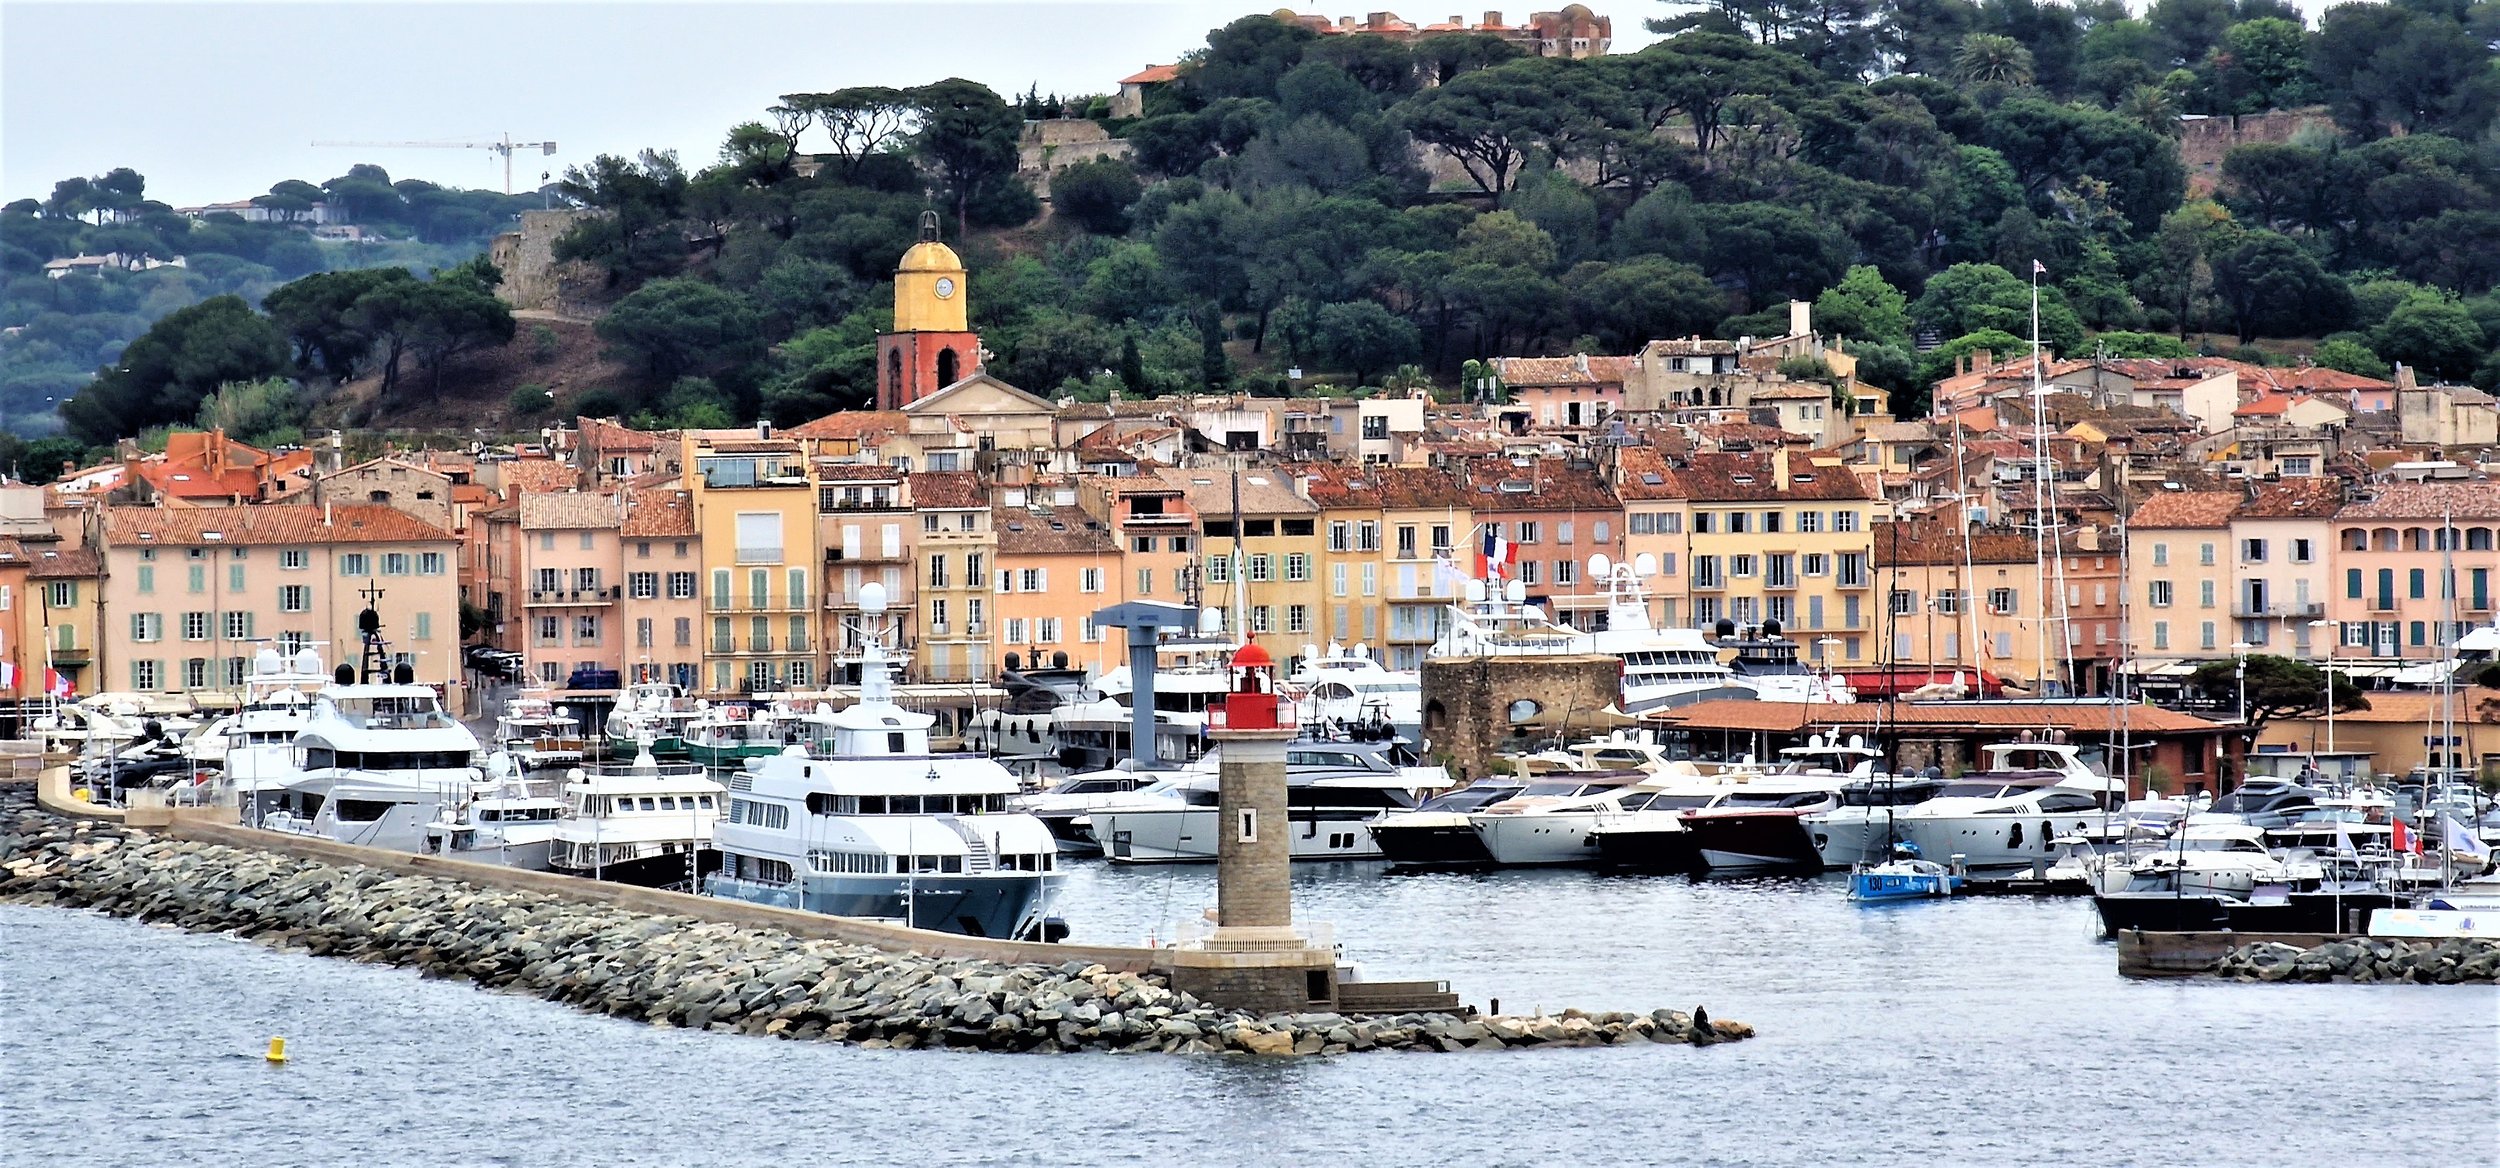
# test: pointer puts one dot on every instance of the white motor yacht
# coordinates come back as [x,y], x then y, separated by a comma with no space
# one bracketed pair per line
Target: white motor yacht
[645,822]
[1333,790]
[539,735]
[1350,688]
[1485,622]
[883,828]
[1538,828]
[500,824]
[1064,805]
[378,759]
[650,715]
[1661,667]
[2011,814]
[2206,859]
[256,744]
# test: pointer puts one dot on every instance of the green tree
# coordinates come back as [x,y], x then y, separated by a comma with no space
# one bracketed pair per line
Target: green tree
[1096,194]
[314,312]
[1245,59]
[643,201]
[679,327]
[2278,687]
[1625,305]
[2352,357]
[1364,338]
[2271,183]
[1990,59]
[1970,298]
[967,139]
[1776,253]
[2271,287]
[1864,307]
[431,321]
[182,358]
[2433,333]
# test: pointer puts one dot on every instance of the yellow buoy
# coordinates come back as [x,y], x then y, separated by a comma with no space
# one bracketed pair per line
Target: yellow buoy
[277,1050]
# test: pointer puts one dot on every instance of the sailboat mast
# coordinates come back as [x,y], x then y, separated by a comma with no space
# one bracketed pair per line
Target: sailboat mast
[1241,563]
[2039,494]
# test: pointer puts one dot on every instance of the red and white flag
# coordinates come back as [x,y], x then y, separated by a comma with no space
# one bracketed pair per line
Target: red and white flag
[55,684]
[1494,560]
[2399,838]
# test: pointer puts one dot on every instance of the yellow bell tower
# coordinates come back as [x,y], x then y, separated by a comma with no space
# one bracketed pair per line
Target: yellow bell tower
[932,345]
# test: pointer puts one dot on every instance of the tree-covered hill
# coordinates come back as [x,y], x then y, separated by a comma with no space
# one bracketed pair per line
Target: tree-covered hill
[1376,212]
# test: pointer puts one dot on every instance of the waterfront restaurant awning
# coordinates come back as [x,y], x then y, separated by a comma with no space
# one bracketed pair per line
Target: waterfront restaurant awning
[2159,667]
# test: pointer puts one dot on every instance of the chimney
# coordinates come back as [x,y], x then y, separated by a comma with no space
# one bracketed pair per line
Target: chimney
[1800,317]
[1779,468]
[1982,359]
[2404,378]
[763,429]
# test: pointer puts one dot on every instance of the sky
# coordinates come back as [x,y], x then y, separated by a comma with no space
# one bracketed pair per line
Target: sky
[214,102]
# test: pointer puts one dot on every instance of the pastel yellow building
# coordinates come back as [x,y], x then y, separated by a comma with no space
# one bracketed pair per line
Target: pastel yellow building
[954,633]
[1787,537]
[754,507]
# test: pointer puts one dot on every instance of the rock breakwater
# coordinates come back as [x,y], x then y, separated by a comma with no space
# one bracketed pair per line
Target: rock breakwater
[2456,961]
[714,975]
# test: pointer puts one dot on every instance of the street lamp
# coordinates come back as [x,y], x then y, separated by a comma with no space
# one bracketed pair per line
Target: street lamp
[2326,649]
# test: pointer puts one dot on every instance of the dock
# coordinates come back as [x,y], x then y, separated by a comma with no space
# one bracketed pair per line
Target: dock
[2142,954]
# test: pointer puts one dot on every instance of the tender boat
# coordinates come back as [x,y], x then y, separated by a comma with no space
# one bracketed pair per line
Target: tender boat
[1064,805]
[883,828]
[1901,879]
[504,824]
[645,822]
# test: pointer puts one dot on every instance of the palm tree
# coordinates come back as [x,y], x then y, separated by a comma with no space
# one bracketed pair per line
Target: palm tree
[2154,107]
[1989,59]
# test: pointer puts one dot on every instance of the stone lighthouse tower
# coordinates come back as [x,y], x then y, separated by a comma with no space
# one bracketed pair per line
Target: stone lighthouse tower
[1255,958]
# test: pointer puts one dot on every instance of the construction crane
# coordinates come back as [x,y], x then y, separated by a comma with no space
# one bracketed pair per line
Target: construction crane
[505,148]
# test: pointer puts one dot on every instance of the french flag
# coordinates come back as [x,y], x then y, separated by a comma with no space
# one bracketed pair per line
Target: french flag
[1495,559]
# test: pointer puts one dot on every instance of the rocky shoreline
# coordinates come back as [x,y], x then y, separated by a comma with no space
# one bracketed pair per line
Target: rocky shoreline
[2457,961]
[681,971]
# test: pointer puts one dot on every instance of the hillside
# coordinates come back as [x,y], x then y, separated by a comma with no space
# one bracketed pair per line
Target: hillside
[556,354]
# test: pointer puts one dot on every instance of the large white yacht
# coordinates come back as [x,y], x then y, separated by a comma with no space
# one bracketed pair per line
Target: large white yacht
[378,758]
[254,747]
[1661,667]
[645,822]
[501,823]
[882,828]
[1334,788]
[537,734]
[1485,622]
[1541,827]
[1351,688]
[2011,814]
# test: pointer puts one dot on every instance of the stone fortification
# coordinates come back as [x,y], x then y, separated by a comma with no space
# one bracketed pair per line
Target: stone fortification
[682,970]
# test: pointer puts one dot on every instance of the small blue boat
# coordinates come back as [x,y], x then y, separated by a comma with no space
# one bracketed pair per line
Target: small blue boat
[1901,879]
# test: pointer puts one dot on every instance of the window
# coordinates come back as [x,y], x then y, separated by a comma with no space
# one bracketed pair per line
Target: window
[2157,593]
[1844,522]
[1779,571]
[294,559]
[584,579]
[2204,594]
[2252,551]
[585,630]
[1015,630]
[394,563]
[972,615]
[146,675]
[429,563]
[685,631]
[234,574]
[2205,554]
[1297,566]
[975,570]
[1566,573]
[1262,567]
[643,585]
[1770,523]
[2161,634]
[759,537]
[1528,532]
[1531,572]
[1563,532]
[642,632]
[420,629]
[1145,581]
[1089,580]
[1297,618]
[1814,564]
[199,578]
[1740,523]
[1371,579]
[2414,581]
[1948,603]
[1340,535]
[1852,565]
[1809,522]
[937,572]
[1706,572]
[1600,532]
[1642,523]
[2161,555]
[1406,541]
[550,630]
[1904,602]
[195,626]
[1262,618]
[2001,601]
[1705,523]
[2205,635]
[147,626]
[1220,568]
[147,579]
[550,580]
[238,626]
[1049,630]
[642,550]
[1740,567]
[1440,539]
[2300,551]
[681,586]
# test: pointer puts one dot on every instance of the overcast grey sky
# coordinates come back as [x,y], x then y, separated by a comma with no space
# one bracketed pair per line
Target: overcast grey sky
[215,101]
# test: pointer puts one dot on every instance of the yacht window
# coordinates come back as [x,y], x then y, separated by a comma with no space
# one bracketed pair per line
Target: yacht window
[650,804]
[872,804]
[894,744]
[2068,802]
[930,863]
[668,802]
[1666,802]
[707,801]
[1550,789]
[950,863]
[362,810]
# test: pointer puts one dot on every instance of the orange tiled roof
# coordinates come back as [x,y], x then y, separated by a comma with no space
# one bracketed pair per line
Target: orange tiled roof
[265,525]
[2294,499]
[1153,75]
[1645,475]
[2186,509]
[860,424]
[1545,484]
[64,564]
[1385,487]
[2473,499]
[948,489]
[1048,530]
[660,511]
[1723,477]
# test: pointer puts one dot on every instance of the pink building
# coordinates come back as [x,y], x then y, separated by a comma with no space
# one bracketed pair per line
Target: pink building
[2415,562]
[569,589]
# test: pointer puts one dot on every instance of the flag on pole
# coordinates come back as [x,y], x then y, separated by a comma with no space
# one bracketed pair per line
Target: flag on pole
[2038,268]
[54,684]
[2400,839]
[1446,575]
[1497,555]
[2462,842]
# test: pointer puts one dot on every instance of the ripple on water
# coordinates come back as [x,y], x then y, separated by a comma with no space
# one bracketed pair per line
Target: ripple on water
[1976,1032]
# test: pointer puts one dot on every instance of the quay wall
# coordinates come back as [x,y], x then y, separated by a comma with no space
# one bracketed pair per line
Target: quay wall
[675,959]
[1469,703]
[2310,957]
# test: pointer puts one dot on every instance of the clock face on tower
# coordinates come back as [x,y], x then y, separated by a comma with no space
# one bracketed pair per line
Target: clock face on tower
[945,287]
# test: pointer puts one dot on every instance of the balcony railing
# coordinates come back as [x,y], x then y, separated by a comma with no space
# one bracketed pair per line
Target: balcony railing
[555,597]
[769,602]
[2245,611]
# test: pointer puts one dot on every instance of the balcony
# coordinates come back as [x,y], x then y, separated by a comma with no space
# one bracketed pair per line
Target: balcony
[574,597]
[1156,520]
[2243,610]
[769,602]
[62,656]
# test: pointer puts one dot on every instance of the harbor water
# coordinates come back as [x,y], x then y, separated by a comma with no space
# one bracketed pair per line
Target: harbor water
[1981,1032]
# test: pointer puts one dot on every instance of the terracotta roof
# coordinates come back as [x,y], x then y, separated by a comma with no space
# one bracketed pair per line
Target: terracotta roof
[1048,530]
[2471,499]
[1937,540]
[1264,491]
[860,424]
[1544,484]
[1386,488]
[1692,347]
[268,524]
[1643,474]
[1798,391]
[568,511]
[2294,499]
[1800,717]
[64,564]
[1721,477]
[2186,509]
[607,434]
[535,474]
[858,472]
[661,512]
[1532,372]
[948,489]
[1152,75]
[2266,405]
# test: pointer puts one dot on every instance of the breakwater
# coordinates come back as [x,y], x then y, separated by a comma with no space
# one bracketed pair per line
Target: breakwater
[716,975]
[2455,961]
